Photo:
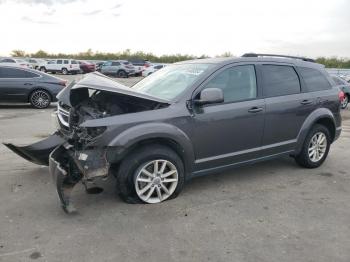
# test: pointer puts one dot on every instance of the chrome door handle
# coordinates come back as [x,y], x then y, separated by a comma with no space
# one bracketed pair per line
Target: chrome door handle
[255,109]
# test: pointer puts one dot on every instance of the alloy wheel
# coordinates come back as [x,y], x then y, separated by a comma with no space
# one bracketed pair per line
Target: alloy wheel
[156,181]
[40,99]
[317,147]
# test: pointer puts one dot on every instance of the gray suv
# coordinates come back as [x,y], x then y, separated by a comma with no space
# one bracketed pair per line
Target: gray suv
[190,119]
[119,68]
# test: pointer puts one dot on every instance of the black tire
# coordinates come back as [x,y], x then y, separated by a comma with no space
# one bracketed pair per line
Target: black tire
[127,171]
[64,71]
[303,159]
[122,74]
[345,102]
[34,99]
[43,69]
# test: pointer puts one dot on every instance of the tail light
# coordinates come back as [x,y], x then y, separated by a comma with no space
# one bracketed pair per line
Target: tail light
[147,65]
[341,96]
[63,83]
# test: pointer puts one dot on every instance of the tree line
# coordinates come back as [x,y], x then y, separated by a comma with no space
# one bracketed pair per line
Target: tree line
[332,62]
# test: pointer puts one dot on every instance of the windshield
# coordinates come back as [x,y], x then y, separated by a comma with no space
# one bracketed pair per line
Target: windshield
[171,81]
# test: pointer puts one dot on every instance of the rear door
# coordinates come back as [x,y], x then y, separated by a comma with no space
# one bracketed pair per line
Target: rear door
[286,107]
[15,84]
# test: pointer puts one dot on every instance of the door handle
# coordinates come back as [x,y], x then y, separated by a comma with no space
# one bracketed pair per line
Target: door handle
[28,84]
[255,109]
[306,102]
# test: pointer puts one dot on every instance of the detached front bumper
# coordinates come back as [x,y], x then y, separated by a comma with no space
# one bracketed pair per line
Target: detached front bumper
[68,167]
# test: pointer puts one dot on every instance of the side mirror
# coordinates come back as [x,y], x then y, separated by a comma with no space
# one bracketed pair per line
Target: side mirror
[210,96]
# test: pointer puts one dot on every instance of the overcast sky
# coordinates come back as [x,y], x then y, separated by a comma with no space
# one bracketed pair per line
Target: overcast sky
[298,27]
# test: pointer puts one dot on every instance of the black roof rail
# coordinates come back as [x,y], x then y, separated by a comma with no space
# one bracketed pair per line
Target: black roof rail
[284,56]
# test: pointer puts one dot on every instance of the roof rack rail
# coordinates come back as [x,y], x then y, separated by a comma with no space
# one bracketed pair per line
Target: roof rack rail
[284,56]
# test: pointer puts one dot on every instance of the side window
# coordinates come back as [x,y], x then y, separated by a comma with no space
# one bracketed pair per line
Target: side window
[314,79]
[109,63]
[59,62]
[31,75]
[115,63]
[279,80]
[73,62]
[66,62]
[12,73]
[237,83]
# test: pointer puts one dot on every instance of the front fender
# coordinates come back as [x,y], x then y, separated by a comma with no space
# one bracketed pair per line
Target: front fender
[316,115]
[142,132]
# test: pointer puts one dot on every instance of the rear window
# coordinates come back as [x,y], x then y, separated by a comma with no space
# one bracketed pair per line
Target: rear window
[314,79]
[280,80]
[74,62]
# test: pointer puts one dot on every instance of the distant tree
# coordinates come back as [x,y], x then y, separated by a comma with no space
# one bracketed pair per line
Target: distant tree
[18,53]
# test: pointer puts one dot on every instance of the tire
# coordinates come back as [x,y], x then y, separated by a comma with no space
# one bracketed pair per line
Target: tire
[304,159]
[40,99]
[43,69]
[64,71]
[345,102]
[130,172]
[122,74]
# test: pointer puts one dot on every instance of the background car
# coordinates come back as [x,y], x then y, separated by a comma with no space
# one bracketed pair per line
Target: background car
[151,69]
[345,87]
[15,61]
[140,65]
[22,85]
[87,67]
[99,64]
[64,66]
[35,62]
[119,68]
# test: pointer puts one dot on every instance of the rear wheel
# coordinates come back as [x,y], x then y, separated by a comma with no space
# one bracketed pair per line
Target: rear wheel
[43,69]
[40,99]
[316,147]
[64,71]
[345,101]
[150,175]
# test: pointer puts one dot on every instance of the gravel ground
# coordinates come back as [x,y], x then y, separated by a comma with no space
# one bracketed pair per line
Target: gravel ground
[273,211]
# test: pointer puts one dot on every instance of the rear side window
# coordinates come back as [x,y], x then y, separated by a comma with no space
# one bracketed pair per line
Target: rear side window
[59,62]
[237,83]
[73,62]
[280,80]
[66,62]
[314,79]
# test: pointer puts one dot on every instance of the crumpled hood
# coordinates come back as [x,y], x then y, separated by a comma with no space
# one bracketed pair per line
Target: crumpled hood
[98,81]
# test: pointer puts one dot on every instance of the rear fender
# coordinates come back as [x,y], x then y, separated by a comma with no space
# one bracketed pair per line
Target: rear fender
[318,114]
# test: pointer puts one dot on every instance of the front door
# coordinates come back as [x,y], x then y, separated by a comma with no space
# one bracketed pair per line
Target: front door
[230,132]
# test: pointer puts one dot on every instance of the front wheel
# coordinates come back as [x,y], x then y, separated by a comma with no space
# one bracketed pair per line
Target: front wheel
[345,102]
[43,69]
[40,99]
[150,175]
[122,74]
[316,147]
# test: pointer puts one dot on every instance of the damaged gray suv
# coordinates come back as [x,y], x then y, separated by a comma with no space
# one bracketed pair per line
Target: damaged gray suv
[188,119]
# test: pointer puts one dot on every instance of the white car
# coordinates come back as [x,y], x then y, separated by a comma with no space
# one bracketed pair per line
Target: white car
[64,66]
[15,62]
[35,62]
[151,69]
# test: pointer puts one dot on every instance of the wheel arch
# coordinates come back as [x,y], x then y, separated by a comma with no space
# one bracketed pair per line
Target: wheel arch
[153,133]
[321,116]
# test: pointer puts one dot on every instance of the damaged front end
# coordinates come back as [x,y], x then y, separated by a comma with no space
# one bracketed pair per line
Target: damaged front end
[77,151]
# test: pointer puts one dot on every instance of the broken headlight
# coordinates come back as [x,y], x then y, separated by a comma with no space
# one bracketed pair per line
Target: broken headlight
[89,133]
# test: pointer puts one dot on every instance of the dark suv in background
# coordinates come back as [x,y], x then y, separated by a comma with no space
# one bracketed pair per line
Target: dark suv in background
[189,119]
